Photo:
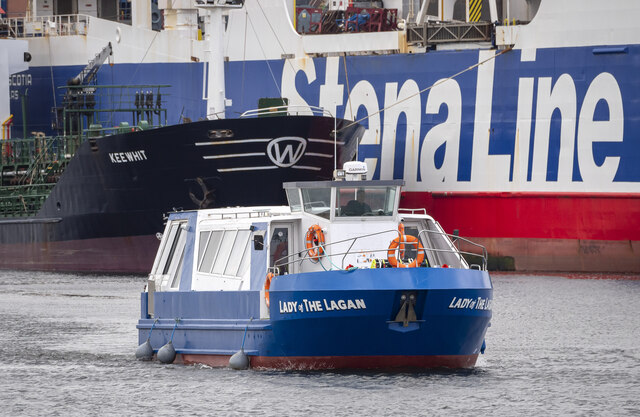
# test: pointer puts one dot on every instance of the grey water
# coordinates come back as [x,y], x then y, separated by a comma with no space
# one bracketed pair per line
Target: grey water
[557,346]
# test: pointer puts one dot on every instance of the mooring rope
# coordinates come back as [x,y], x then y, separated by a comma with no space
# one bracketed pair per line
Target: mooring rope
[152,326]
[245,333]
[174,328]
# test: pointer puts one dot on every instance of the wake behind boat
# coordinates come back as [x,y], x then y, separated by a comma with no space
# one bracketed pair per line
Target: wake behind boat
[341,278]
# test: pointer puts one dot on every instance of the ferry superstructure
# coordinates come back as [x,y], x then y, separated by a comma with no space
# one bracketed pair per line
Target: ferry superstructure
[529,131]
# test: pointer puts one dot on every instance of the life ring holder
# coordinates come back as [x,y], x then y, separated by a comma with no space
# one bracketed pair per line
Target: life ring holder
[314,239]
[400,242]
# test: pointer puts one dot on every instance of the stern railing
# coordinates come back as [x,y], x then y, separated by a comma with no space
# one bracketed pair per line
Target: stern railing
[381,252]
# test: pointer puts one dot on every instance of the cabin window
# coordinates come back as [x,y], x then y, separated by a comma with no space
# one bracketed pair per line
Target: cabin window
[224,252]
[244,262]
[366,201]
[238,251]
[211,249]
[228,238]
[171,256]
[317,201]
[204,237]
[176,272]
[294,199]
[167,244]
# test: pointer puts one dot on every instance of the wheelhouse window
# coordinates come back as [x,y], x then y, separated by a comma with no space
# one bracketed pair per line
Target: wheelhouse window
[366,201]
[224,252]
[317,201]
[293,196]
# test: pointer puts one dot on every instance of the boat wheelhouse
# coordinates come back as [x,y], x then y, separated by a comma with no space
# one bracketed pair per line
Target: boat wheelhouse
[341,278]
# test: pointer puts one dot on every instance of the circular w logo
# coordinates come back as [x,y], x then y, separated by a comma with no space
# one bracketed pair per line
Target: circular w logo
[286,151]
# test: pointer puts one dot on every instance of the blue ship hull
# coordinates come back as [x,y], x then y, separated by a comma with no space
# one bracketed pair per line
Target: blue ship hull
[331,320]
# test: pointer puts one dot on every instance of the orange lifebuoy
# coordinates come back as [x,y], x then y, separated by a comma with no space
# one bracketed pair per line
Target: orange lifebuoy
[314,241]
[400,242]
[267,285]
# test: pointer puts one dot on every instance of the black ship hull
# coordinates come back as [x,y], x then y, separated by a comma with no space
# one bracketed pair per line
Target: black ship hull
[105,210]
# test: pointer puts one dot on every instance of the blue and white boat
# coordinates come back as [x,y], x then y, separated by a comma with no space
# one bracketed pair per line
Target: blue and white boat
[342,278]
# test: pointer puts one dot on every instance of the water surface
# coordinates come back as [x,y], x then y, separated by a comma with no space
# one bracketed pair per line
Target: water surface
[557,346]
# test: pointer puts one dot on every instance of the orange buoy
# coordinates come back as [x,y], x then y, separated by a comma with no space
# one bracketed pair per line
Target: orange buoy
[314,239]
[267,285]
[400,242]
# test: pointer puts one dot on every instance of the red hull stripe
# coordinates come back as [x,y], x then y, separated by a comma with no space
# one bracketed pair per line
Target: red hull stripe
[340,362]
[131,254]
[602,216]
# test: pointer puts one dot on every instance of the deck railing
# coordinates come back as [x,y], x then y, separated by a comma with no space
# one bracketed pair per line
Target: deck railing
[287,109]
[381,252]
[59,25]
[433,33]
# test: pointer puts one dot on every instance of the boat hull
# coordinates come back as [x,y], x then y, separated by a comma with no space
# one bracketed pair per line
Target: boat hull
[317,363]
[332,320]
[103,213]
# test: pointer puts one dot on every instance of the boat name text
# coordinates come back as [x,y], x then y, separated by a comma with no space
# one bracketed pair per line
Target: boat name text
[309,306]
[19,80]
[471,303]
[132,156]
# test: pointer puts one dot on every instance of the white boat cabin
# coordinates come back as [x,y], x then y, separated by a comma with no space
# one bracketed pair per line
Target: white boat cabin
[328,225]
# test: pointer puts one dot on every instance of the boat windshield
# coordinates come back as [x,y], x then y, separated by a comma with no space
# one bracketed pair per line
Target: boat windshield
[294,199]
[366,201]
[317,201]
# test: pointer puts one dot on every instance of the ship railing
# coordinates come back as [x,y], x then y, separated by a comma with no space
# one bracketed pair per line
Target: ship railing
[243,214]
[287,109]
[94,110]
[412,210]
[439,252]
[37,149]
[59,25]
[433,33]
[460,243]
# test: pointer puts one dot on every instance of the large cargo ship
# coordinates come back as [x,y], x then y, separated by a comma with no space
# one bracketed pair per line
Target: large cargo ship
[520,114]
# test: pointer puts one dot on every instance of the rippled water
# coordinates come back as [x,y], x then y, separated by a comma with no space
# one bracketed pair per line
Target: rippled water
[557,346]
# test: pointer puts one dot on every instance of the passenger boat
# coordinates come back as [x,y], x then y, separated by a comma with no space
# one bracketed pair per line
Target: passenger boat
[341,278]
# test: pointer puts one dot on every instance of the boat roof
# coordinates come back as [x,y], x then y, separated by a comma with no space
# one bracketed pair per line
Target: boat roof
[340,184]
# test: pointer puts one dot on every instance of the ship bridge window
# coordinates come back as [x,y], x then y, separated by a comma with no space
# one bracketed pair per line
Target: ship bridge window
[366,201]
[317,201]
[224,252]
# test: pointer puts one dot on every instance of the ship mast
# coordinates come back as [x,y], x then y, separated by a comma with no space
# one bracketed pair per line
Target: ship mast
[214,30]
